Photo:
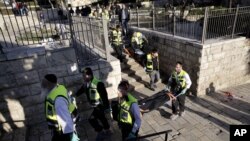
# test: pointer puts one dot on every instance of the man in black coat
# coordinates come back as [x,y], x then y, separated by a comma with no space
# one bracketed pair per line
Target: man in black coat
[124,17]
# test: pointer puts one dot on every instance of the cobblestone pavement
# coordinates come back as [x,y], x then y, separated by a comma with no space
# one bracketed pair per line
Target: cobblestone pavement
[207,118]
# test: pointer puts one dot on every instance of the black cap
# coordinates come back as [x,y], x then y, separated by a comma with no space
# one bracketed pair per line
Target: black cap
[88,71]
[51,78]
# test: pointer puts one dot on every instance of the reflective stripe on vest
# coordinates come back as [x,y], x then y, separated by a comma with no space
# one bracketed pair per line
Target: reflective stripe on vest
[179,78]
[117,37]
[149,65]
[124,115]
[93,93]
[50,112]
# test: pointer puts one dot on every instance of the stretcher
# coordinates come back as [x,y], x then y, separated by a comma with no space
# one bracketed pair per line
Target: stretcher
[153,102]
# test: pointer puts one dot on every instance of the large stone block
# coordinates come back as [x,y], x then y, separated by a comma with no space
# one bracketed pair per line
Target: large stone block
[59,71]
[73,80]
[14,66]
[32,100]
[72,69]
[7,81]
[35,88]
[61,57]
[35,62]
[216,49]
[32,110]
[14,93]
[27,78]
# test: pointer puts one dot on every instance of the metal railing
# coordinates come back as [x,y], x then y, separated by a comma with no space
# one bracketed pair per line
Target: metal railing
[198,24]
[45,26]
[227,23]
[35,26]
[90,38]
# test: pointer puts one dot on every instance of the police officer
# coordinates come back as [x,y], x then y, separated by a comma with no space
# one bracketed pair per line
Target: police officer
[116,40]
[58,109]
[138,41]
[129,118]
[98,99]
[105,13]
[151,65]
[178,84]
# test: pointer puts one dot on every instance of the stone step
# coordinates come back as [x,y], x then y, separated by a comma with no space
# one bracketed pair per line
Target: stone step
[134,78]
[142,93]
[136,71]
[132,65]
[130,61]
[136,85]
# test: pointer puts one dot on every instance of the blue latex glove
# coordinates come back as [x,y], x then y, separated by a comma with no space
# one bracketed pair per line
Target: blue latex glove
[131,136]
[74,137]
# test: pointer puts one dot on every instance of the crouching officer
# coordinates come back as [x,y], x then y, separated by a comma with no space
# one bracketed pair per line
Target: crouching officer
[98,99]
[59,110]
[129,117]
[117,43]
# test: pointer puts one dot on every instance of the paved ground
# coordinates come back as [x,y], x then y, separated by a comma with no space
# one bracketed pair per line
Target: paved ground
[207,119]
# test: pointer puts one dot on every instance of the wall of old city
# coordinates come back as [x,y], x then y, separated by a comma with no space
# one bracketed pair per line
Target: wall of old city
[214,65]
[22,71]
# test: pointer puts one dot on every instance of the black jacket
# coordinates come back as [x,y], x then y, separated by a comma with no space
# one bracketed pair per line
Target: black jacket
[101,90]
[127,15]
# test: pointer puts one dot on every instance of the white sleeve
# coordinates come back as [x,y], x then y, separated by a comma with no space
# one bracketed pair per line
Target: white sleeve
[63,115]
[135,111]
[188,81]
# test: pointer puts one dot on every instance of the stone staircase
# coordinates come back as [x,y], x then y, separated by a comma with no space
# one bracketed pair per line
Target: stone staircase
[135,74]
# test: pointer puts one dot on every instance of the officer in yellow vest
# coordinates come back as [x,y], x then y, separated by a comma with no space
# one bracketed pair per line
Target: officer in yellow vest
[178,84]
[98,99]
[59,109]
[116,41]
[138,41]
[151,65]
[105,14]
[129,118]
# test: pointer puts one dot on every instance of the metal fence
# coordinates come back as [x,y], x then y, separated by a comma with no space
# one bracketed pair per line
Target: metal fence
[198,24]
[44,26]
[90,38]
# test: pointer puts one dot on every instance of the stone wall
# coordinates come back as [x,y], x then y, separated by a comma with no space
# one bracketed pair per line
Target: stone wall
[210,66]
[224,64]
[172,49]
[21,73]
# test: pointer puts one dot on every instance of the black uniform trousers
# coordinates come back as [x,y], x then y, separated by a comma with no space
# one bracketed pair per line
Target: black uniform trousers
[178,103]
[59,136]
[118,49]
[126,129]
[98,114]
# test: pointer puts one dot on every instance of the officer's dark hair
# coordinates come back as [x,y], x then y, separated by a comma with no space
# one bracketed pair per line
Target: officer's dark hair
[88,71]
[154,50]
[178,62]
[124,84]
[51,78]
